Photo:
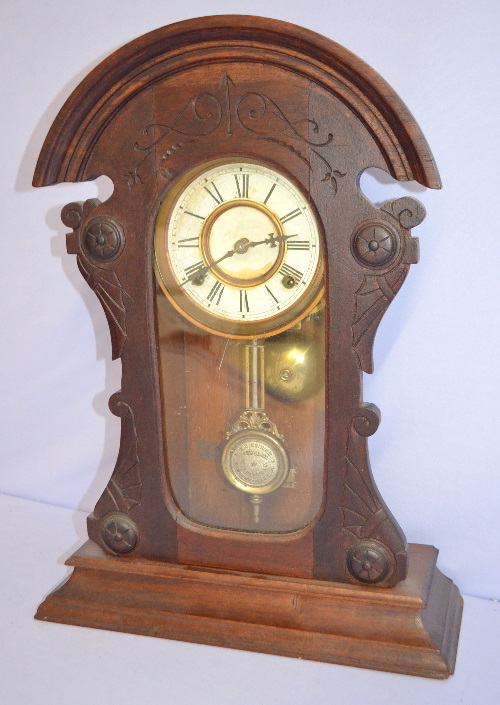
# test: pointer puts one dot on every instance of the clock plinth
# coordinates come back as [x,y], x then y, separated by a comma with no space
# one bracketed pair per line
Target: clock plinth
[243,275]
[412,628]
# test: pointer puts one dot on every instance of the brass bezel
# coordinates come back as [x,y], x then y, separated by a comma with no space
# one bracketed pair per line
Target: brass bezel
[206,255]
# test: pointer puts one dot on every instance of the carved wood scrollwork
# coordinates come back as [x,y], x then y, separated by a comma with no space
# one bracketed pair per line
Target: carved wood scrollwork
[97,240]
[384,249]
[125,486]
[228,108]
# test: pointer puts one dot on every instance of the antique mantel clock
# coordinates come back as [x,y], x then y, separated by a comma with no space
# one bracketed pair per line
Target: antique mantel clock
[243,275]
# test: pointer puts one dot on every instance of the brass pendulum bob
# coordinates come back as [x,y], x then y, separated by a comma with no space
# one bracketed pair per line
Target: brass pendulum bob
[255,459]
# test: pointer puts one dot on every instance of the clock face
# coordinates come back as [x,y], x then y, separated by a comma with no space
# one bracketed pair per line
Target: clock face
[238,250]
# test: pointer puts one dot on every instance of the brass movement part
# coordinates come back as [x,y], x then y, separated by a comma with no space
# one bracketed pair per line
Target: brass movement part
[294,366]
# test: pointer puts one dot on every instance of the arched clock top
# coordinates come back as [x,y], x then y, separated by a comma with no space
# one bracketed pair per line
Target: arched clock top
[230,39]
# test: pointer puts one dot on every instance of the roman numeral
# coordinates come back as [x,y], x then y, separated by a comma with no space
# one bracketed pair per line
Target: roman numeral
[288,271]
[299,245]
[188,242]
[289,216]
[244,301]
[218,288]
[194,215]
[218,199]
[269,194]
[243,188]
[271,293]
[193,268]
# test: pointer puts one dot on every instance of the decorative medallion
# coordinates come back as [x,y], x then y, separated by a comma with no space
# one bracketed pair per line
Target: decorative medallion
[119,533]
[375,243]
[368,562]
[103,238]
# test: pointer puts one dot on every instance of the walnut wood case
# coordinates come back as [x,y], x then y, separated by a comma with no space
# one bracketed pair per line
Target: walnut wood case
[345,587]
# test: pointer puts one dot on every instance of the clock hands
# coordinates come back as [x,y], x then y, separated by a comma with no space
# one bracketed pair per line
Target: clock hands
[240,247]
[270,240]
[198,275]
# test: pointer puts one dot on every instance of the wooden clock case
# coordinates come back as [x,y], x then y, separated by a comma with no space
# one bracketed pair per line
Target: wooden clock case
[346,587]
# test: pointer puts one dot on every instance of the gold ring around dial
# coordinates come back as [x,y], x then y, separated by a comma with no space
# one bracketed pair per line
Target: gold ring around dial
[218,271]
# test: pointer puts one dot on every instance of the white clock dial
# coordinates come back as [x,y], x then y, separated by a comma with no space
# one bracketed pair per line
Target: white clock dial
[238,250]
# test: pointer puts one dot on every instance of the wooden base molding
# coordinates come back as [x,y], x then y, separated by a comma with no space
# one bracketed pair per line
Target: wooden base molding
[412,628]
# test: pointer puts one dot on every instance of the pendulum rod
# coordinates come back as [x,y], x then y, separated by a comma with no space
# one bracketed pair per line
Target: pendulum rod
[254,396]
[254,376]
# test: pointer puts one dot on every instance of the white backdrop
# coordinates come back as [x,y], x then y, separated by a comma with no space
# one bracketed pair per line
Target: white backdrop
[436,381]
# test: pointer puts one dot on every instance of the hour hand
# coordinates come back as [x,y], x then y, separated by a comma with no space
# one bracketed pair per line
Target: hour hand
[271,240]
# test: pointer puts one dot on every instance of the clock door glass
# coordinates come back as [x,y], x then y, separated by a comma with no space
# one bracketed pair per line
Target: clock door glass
[240,325]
